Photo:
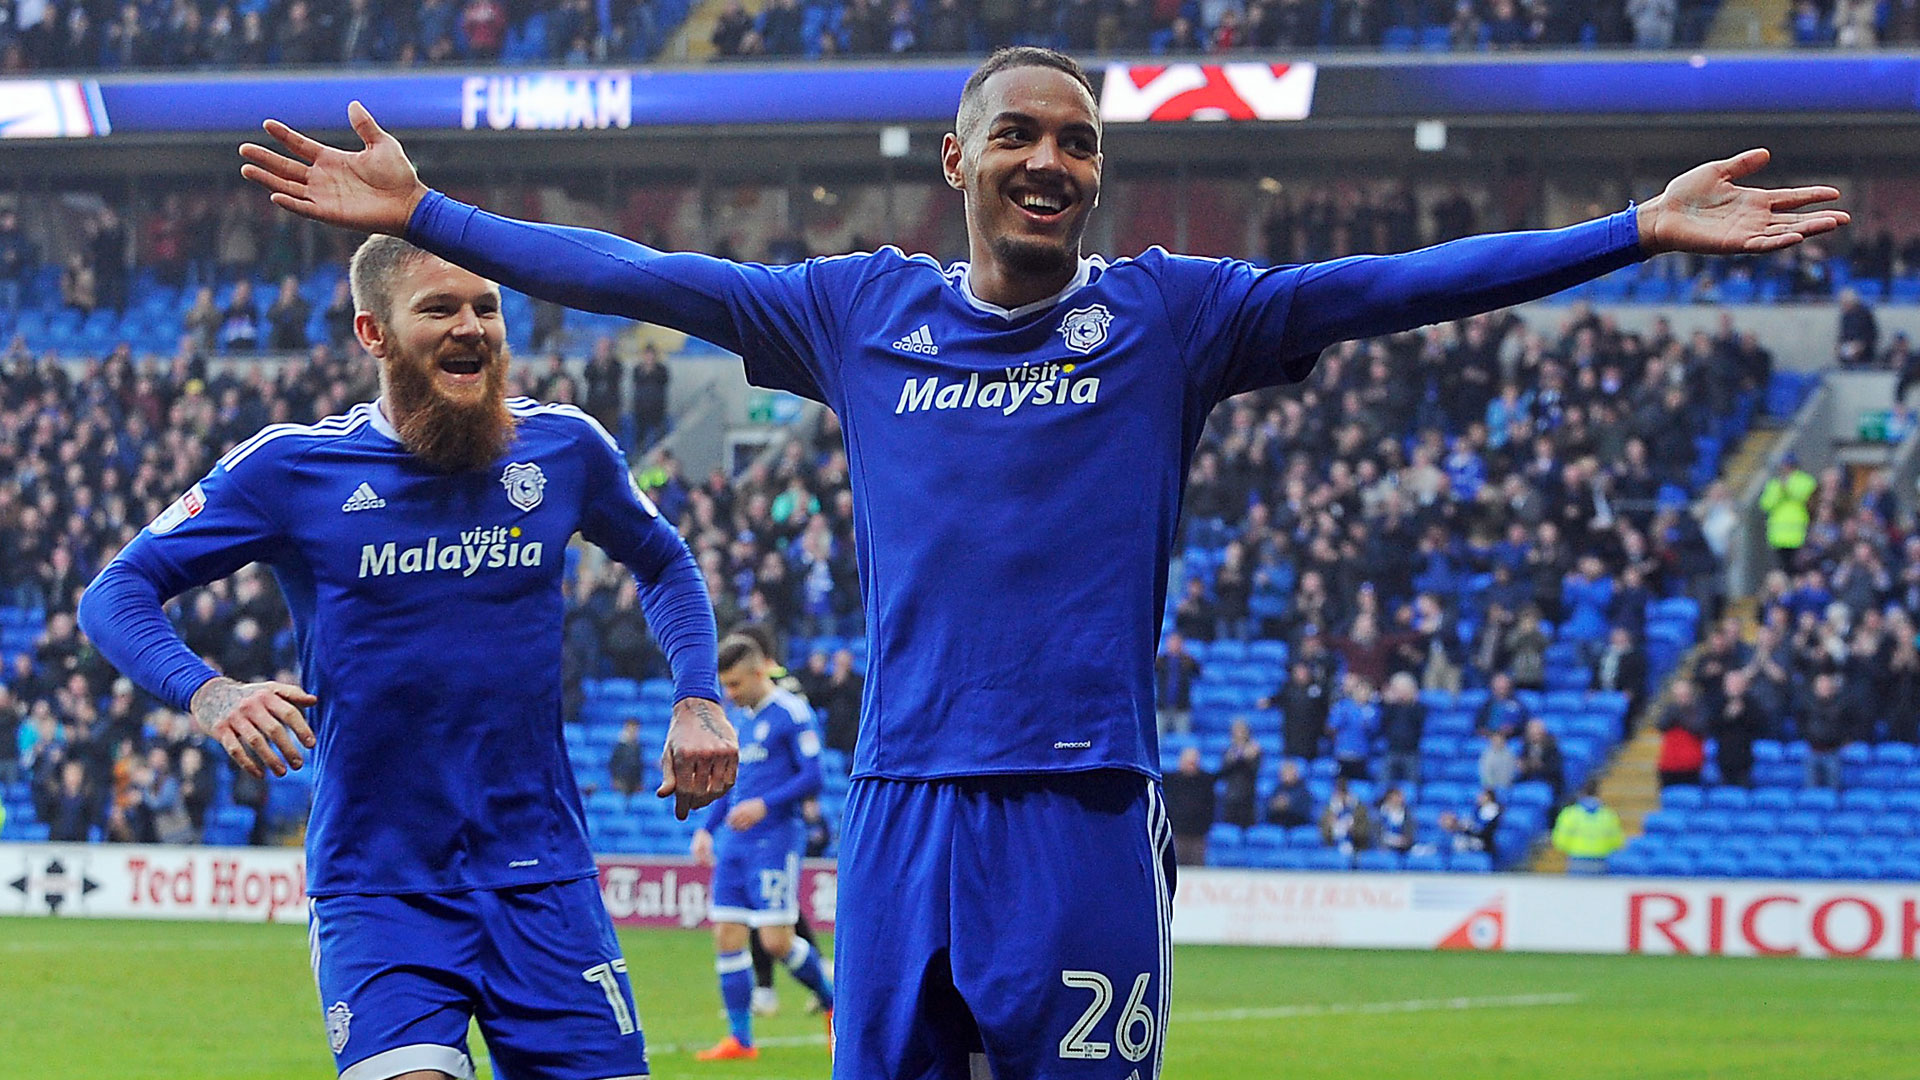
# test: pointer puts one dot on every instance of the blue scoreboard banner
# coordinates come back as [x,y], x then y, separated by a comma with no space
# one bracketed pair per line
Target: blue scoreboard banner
[1380,90]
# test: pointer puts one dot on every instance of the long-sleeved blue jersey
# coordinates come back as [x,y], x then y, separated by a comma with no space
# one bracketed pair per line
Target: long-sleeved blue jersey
[1017,474]
[428,613]
[779,764]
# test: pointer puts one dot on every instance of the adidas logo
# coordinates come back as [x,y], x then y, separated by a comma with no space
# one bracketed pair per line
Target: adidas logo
[920,341]
[363,498]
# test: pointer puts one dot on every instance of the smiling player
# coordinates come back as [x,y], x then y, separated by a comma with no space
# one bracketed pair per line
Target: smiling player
[1018,428]
[419,540]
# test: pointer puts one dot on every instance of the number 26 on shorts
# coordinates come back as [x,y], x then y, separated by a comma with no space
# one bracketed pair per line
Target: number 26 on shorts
[1132,1034]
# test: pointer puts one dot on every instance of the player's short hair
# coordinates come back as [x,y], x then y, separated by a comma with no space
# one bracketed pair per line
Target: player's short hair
[739,649]
[376,262]
[759,634]
[972,111]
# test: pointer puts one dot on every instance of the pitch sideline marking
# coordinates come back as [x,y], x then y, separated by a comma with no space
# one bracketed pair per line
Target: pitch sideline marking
[1276,1012]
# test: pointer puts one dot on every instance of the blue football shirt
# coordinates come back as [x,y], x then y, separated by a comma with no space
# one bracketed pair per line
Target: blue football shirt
[779,764]
[428,611]
[1017,474]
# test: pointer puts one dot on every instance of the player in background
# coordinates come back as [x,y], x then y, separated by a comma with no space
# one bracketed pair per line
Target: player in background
[419,540]
[1018,429]
[765,1001]
[753,837]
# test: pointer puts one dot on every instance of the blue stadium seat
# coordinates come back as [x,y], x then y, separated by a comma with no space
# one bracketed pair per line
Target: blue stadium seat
[1896,753]
[1714,821]
[1848,823]
[1893,825]
[1304,836]
[1817,799]
[1765,866]
[1769,750]
[1325,859]
[1830,847]
[1664,821]
[1877,847]
[1224,837]
[1266,836]
[1682,797]
[1728,797]
[1379,861]
[1718,864]
[1803,822]
[1671,864]
[1629,862]
[1903,868]
[1537,794]
[1867,800]
[1696,844]
[1906,800]
[1470,862]
[1445,794]
[1811,866]
[1780,799]
[1857,868]
[1425,862]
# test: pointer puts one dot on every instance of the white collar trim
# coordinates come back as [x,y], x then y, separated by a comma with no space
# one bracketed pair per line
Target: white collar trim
[1080,279]
[380,422]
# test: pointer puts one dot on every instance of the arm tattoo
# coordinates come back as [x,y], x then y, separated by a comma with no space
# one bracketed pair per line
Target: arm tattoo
[213,702]
[707,716]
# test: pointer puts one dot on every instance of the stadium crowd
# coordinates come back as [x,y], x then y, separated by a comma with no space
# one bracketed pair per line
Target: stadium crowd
[75,35]
[225,34]
[1828,658]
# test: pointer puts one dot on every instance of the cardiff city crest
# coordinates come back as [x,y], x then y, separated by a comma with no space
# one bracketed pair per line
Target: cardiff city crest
[524,482]
[339,1018]
[1086,328]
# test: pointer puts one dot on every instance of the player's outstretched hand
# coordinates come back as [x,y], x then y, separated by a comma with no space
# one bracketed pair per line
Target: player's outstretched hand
[252,720]
[374,189]
[701,758]
[1705,211]
[702,848]
[747,814]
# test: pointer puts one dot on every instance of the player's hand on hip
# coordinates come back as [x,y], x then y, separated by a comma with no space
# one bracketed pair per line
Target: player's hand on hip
[373,189]
[701,758]
[253,720]
[702,848]
[746,815]
[1705,211]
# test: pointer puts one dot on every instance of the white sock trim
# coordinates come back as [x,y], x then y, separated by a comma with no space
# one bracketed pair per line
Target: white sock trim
[798,955]
[405,1059]
[728,963]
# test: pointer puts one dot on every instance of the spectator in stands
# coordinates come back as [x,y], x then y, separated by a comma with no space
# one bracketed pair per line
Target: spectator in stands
[1239,775]
[1736,723]
[1540,759]
[1526,650]
[730,30]
[287,318]
[250,792]
[1174,673]
[1826,724]
[1190,808]
[1785,500]
[17,258]
[626,766]
[1652,22]
[604,375]
[1503,712]
[240,323]
[1588,832]
[1393,822]
[79,289]
[1353,725]
[1622,667]
[1403,719]
[1858,344]
[1345,823]
[1291,804]
[70,815]
[1304,708]
[1901,704]
[650,378]
[1683,730]
[1483,822]
[1195,618]
[842,705]
[1498,764]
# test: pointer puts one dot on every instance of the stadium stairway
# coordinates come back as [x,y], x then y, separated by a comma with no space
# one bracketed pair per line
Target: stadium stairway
[1734,25]
[694,39]
[1629,781]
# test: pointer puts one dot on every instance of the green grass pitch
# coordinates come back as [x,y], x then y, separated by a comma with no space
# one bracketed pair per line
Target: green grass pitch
[99,999]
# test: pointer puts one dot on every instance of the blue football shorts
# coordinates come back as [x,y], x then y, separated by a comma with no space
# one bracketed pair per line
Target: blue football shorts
[1014,926]
[538,966]
[756,877]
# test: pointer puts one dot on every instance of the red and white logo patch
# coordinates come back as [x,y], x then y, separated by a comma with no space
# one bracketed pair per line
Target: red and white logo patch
[188,505]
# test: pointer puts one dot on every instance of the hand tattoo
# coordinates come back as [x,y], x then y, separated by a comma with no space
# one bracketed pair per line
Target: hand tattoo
[213,702]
